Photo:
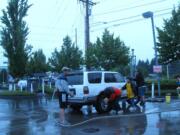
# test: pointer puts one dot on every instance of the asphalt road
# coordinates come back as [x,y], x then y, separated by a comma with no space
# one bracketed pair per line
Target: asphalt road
[41,116]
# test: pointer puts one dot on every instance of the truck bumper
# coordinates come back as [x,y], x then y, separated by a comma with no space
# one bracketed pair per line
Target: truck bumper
[81,101]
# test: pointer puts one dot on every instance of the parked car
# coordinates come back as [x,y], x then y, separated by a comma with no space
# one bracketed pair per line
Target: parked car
[88,87]
[22,84]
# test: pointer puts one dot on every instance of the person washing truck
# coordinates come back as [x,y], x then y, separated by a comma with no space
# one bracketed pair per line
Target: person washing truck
[61,86]
[113,96]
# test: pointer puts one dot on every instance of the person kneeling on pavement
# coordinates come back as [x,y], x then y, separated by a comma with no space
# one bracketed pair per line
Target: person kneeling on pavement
[113,96]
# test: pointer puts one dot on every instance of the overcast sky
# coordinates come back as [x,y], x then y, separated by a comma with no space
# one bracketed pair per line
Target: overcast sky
[50,21]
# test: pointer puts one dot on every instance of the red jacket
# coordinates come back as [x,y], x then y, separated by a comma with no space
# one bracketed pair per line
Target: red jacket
[117,93]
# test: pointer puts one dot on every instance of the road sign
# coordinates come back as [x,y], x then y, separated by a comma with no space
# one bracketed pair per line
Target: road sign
[157,69]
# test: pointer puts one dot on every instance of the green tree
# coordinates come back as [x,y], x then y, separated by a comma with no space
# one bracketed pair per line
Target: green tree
[69,56]
[14,34]
[144,67]
[169,39]
[108,53]
[37,63]
[91,58]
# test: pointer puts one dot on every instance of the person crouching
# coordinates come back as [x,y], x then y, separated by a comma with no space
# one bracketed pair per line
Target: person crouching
[113,96]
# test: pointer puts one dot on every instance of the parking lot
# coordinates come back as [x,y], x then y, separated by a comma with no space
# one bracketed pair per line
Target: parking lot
[41,116]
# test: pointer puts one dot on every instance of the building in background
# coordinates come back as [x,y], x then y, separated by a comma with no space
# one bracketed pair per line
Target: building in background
[3,60]
[3,69]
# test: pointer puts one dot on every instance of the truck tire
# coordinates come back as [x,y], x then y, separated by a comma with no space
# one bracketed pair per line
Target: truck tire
[100,105]
[76,107]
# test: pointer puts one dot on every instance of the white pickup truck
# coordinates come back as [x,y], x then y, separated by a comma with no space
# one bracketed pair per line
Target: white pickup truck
[88,87]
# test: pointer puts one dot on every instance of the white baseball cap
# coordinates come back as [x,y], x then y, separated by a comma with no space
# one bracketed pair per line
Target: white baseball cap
[65,69]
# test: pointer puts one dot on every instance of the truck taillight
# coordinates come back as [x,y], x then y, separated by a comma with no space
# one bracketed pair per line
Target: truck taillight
[85,90]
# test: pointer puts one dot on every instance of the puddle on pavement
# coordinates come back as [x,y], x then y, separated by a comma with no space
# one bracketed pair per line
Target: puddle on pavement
[29,117]
[90,130]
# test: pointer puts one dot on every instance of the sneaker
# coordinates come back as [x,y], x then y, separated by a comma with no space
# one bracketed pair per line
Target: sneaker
[119,112]
[112,112]
[132,109]
[142,104]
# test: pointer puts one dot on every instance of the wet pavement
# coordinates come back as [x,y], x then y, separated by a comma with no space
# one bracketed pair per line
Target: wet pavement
[41,116]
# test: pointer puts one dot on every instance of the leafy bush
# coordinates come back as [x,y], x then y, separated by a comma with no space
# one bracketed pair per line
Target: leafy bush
[16,93]
[167,86]
[49,90]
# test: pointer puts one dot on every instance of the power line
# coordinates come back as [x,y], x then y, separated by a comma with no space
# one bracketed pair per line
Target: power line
[93,24]
[58,12]
[62,13]
[129,8]
[58,5]
[127,18]
[128,22]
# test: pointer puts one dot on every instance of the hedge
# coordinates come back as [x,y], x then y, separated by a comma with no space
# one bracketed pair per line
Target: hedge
[167,86]
[16,93]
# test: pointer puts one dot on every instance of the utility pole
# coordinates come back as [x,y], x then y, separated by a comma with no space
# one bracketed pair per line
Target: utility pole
[88,4]
[76,36]
[133,63]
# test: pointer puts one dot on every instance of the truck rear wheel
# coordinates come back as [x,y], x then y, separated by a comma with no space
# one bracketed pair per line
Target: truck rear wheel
[101,106]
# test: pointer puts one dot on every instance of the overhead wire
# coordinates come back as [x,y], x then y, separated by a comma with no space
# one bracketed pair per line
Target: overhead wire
[58,5]
[58,11]
[53,27]
[123,5]
[62,13]
[127,18]
[59,15]
[128,22]
[96,23]
[74,24]
[129,8]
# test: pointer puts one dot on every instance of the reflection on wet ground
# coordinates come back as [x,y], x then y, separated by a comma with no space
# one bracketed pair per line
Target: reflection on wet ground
[40,116]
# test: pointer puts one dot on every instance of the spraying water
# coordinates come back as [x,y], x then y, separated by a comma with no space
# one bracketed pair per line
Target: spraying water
[53,94]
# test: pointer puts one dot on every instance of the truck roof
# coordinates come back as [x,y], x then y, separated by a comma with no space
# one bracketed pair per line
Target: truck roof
[93,71]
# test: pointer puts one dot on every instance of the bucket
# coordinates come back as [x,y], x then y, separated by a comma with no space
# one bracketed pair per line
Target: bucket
[168,98]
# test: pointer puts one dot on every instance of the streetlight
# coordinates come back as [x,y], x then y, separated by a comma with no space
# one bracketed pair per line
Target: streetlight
[149,14]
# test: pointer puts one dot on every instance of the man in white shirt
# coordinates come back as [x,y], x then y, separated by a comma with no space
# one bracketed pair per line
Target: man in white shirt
[61,86]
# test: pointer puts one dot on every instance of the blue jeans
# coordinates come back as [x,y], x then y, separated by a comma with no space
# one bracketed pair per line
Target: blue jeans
[141,90]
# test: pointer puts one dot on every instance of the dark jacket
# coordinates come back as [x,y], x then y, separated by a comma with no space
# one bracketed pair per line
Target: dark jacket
[139,80]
